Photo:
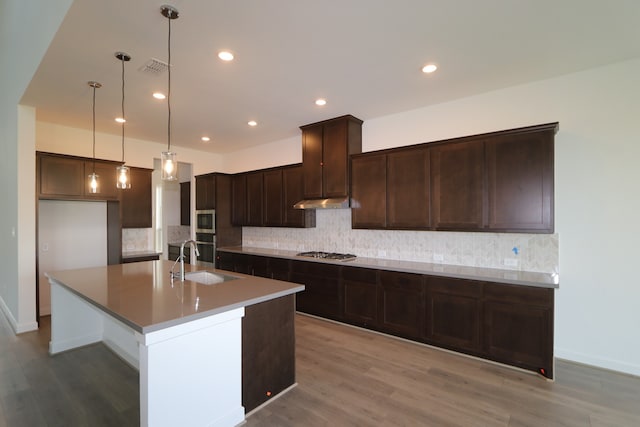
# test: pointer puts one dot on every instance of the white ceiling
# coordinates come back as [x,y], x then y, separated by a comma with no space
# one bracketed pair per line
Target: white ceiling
[363,56]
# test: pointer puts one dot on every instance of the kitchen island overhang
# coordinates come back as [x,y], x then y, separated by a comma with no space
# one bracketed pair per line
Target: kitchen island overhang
[184,337]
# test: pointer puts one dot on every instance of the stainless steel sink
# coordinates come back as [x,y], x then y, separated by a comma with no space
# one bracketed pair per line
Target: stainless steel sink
[208,278]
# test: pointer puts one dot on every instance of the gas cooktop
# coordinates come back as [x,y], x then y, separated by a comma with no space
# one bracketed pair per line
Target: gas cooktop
[328,255]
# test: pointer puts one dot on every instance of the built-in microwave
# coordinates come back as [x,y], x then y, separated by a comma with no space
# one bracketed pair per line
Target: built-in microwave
[206,221]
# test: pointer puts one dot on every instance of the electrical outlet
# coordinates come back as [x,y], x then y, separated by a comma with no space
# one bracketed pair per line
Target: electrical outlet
[510,262]
[438,257]
[45,247]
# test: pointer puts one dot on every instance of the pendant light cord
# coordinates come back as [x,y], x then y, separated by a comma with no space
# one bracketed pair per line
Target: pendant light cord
[169,86]
[94,128]
[123,116]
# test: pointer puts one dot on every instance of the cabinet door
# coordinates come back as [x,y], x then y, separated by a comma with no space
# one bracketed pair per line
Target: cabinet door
[279,269]
[239,199]
[255,199]
[136,202]
[520,182]
[368,191]
[185,203]
[453,314]
[205,192]
[335,159]
[321,296]
[518,326]
[401,304]
[61,176]
[312,161]
[107,177]
[224,261]
[360,296]
[408,188]
[268,350]
[292,187]
[273,198]
[457,178]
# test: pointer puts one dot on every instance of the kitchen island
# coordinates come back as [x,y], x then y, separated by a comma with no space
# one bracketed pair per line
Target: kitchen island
[185,338]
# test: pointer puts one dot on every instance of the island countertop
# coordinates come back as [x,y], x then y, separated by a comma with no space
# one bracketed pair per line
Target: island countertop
[143,296]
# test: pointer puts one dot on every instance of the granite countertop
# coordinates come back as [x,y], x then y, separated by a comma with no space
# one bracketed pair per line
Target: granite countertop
[143,296]
[514,277]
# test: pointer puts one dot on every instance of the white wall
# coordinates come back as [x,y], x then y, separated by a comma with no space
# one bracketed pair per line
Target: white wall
[26,29]
[596,193]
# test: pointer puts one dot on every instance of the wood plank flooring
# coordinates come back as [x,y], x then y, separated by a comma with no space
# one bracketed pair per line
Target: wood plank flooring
[346,377]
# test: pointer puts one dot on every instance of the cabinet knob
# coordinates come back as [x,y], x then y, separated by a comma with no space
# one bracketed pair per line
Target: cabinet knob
[321,163]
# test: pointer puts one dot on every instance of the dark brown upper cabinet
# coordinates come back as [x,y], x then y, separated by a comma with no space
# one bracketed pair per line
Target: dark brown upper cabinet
[239,199]
[457,192]
[390,189]
[273,202]
[408,199]
[369,191]
[185,203]
[326,147]
[67,177]
[266,197]
[135,205]
[255,198]
[206,192]
[501,181]
[520,181]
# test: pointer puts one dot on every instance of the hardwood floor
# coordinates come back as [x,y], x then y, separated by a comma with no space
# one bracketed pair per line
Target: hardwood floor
[346,377]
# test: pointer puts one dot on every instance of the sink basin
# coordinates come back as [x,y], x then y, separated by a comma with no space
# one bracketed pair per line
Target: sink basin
[207,277]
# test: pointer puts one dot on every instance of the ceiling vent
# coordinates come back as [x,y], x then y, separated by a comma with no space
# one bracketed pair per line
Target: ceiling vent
[154,66]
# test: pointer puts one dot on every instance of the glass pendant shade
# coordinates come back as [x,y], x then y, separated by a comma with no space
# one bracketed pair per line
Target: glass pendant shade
[169,166]
[124,182]
[93,183]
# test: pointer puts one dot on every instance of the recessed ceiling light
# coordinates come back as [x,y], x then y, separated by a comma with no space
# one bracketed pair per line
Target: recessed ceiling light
[429,68]
[252,123]
[225,55]
[120,120]
[205,139]
[321,102]
[159,95]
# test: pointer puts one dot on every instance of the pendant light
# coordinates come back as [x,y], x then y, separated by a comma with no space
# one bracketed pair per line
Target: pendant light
[169,163]
[123,180]
[93,177]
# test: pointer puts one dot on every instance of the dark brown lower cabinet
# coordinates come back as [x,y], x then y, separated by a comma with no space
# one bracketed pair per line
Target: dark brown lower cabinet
[511,324]
[453,314]
[401,303]
[518,326]
[321,296]
[268,350]
[279,269]
[360,290]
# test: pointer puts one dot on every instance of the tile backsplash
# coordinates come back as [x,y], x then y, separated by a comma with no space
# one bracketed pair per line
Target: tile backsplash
[333,233]
[137,239]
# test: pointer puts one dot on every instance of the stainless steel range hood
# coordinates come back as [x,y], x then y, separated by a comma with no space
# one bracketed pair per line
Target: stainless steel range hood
[330,203]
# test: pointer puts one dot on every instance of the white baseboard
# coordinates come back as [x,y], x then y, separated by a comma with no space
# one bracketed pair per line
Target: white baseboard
[18,328]
[585,359]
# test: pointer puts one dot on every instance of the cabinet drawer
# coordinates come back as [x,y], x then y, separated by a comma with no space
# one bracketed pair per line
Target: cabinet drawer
[519,294]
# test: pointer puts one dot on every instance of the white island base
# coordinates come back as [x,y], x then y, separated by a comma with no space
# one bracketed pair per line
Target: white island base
[190,373]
